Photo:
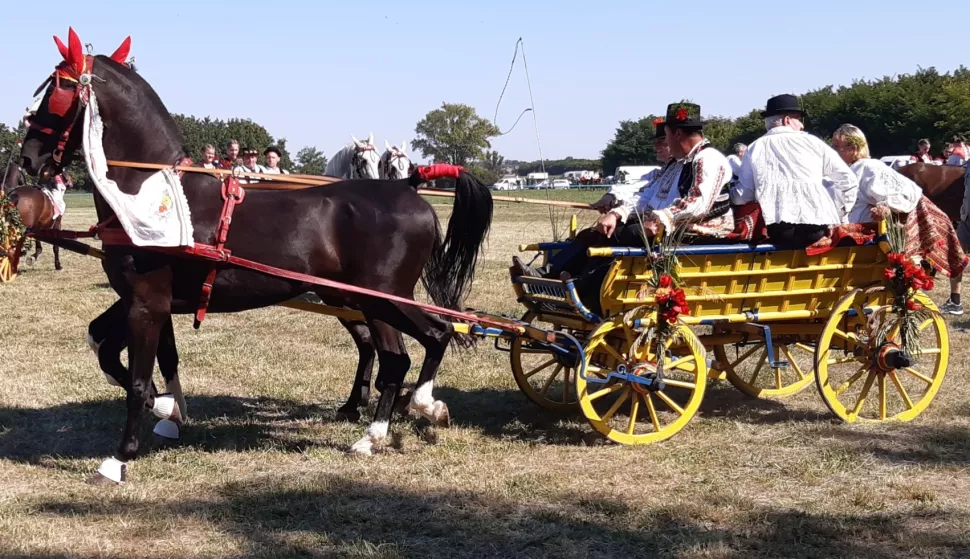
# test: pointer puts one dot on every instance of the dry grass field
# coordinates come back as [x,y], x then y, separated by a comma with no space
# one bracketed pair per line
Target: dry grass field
[262,469]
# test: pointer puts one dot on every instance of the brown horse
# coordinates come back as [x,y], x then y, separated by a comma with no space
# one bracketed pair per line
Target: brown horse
[942,184]
[36,210]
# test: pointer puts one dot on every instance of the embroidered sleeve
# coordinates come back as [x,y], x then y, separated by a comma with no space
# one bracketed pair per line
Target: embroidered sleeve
[709,177]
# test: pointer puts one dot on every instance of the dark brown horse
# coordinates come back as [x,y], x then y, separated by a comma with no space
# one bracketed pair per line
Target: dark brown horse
[379,235]
[36,210]
[942,184]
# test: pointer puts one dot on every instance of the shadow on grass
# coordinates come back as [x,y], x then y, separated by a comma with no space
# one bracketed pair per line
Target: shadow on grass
[328,515]
[93,429]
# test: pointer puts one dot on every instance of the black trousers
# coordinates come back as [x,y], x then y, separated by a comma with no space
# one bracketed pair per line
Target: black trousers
[792,236]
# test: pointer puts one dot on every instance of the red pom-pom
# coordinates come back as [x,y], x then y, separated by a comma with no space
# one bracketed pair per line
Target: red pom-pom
[439,171]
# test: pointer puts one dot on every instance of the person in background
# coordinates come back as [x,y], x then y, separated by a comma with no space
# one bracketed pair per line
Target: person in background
[801,183]
[273,156]
[249,165]
[231,159]
[929,232]
[209,160]
[734,160]
[922,154]
[620,192]
[958,153]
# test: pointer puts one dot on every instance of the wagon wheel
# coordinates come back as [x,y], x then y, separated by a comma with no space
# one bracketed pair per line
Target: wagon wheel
[545,378]
[650,415]
[849,380]
[750,370]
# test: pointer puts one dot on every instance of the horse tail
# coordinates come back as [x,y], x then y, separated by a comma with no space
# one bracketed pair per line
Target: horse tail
[448,275]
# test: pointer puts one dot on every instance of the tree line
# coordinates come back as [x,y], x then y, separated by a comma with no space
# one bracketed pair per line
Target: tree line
[895,112]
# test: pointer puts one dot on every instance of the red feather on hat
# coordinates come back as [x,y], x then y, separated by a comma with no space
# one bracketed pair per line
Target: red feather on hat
[61,47]
[75,51]
[121,54]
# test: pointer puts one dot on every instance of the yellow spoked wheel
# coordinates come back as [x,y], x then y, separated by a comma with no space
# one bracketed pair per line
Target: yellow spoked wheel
[630,412]
[849,379]
[787,369]
[543,376]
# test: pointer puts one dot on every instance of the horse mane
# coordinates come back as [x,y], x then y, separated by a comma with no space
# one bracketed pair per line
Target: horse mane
[339,164]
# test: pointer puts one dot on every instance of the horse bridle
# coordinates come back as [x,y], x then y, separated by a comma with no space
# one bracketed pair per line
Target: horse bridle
[387,165]
[360,164]
[63,101]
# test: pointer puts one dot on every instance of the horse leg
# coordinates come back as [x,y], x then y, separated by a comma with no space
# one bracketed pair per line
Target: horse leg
[57,250]
[434,334]
[107,338]
[393,368]
[148,311]
[168,363]
[360,393]
[32,259]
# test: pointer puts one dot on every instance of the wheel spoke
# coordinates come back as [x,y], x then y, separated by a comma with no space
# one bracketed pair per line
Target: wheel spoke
[566,383]
[919,375]
[616,405]
[926,324]
[612,351]
[806,348]
[634,407]
[852,380]
[540,368]
[842,360]
[605,391]
[901,390]
[680,362]
[745,355]
[653,412]
[680,383]
[757,370]
[847,336]
[794,364]
[882,397]
[552,377]
[666,399]
[865,392]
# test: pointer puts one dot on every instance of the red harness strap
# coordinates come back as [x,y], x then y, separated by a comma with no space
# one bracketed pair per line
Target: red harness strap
[232,194]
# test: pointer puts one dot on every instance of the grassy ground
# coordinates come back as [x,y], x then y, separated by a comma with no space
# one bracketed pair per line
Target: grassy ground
[262,469]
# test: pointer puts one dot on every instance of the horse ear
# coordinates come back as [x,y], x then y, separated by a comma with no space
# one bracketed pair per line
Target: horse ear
[75,50]
[370,139]
[121,53]
[387,146]
[355,140]
[61,47]
[404,146]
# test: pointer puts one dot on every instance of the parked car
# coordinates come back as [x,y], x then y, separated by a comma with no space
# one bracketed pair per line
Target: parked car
[560,183]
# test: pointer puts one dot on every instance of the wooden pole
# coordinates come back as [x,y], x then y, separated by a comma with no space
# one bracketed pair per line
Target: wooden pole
[301,182]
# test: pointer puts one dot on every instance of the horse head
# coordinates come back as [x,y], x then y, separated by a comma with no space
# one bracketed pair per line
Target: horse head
[365,161]
[395,163]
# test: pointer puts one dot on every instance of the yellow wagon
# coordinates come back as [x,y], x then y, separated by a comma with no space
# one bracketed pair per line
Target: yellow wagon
[770,321]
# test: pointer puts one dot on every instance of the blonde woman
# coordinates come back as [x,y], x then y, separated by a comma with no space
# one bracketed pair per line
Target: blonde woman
[882,190]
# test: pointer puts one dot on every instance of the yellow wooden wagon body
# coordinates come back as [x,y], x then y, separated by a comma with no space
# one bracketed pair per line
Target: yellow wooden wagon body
[770,321]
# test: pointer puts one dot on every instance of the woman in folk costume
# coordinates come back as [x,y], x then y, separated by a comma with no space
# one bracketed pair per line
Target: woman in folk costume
[929,232]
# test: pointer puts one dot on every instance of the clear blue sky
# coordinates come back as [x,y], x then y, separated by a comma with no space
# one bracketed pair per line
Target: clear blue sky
[316,72]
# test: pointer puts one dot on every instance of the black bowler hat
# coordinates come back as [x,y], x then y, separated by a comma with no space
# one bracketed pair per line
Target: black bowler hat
[685,115]
[273,149]
[659,133]
[248,151]
[783,104]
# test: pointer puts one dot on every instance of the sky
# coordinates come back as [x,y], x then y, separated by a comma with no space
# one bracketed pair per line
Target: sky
[318,72]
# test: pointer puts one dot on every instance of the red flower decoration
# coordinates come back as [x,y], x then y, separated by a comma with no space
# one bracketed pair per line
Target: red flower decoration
[657,121]
[914,306]
[666,280]
[681,115]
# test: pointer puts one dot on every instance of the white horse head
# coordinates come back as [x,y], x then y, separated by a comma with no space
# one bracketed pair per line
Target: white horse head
[357,160]
[395,163]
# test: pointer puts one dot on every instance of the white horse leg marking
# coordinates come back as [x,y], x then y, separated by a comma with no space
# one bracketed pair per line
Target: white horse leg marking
[423,403]
[175,388]
[114,469]
[96,347]
[375,434]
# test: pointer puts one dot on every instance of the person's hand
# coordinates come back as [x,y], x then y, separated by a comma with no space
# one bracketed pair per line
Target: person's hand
[605,203]
[880,212]
[607,224]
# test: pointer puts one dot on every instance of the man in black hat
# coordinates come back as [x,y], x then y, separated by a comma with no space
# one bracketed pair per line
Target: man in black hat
[620,192]
[273,156]
[801,183]
[249,165]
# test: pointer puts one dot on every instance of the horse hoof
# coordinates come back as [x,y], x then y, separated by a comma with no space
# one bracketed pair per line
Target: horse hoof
[58,267]
[363,447]
[441,416]
[167,429]
[98,479]
[350,416]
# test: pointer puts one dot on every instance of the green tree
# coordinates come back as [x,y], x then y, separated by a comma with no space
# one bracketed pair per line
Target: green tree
[310,161]
[632,145]
[453,134]
[493,162]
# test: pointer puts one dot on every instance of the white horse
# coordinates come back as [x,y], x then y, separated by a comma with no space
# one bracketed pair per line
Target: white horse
[395,163]
[357,160]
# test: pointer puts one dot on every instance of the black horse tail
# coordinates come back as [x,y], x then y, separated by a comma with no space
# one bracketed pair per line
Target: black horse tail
[448,275]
